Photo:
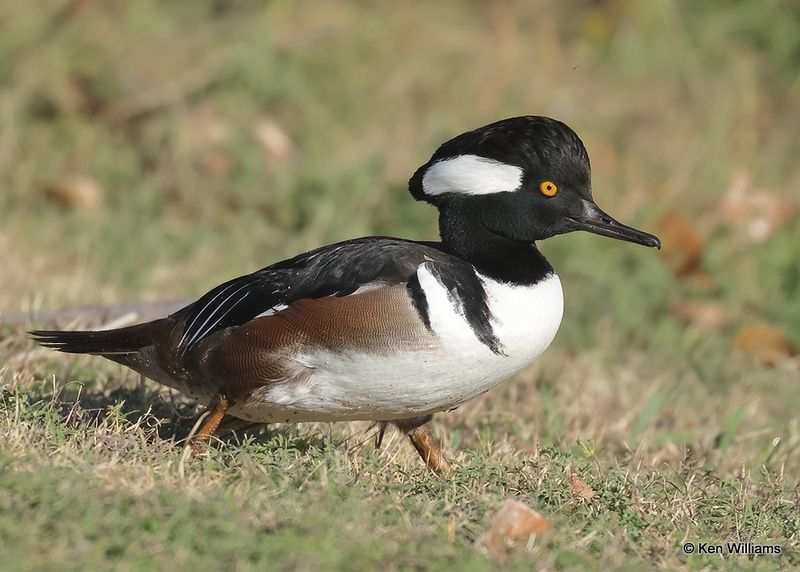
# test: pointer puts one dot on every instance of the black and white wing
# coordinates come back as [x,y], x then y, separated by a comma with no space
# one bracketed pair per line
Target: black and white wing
[338,270]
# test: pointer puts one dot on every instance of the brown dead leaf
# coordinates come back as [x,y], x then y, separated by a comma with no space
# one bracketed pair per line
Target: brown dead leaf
[682,245]
[580,488]
[216,164]
[702,281]
[756,212]
[273,138]
[75,191]
[766,343]
[514,521]
[75,8]
[709,315]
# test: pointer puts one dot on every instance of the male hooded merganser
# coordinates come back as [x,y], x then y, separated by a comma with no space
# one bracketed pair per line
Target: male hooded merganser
[381,328]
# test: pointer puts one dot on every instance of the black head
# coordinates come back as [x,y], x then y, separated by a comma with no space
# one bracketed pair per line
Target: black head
[525,178]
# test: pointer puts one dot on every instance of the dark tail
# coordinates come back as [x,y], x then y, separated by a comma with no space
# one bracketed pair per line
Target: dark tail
[102,342]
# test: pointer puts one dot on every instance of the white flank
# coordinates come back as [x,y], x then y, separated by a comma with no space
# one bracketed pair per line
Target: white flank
[471,175]
[396,385]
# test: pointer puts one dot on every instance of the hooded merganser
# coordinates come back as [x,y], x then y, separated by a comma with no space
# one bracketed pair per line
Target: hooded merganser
[381,328]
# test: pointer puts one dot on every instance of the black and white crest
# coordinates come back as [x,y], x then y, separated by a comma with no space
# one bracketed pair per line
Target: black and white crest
[505,156]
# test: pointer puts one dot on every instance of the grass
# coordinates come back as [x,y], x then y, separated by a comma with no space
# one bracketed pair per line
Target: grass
[680,437]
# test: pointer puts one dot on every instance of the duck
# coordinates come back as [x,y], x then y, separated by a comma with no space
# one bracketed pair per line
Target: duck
[386,329]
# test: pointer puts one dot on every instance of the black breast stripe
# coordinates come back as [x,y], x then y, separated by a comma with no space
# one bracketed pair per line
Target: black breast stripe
[418,300]
[468,296]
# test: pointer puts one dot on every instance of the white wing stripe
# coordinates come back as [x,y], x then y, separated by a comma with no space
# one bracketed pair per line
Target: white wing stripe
[200,313]
[274,310]
[217,321]
[197,335]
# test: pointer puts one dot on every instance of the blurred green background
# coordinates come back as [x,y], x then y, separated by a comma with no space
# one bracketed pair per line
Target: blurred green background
[152,150]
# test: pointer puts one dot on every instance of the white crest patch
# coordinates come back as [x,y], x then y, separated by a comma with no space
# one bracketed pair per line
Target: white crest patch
[471,175]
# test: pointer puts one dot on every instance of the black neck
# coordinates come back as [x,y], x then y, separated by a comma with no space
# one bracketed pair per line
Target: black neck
[496,256]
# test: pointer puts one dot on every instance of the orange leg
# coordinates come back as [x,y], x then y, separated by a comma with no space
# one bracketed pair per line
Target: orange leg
[216,411]
[429,449]
[423,441]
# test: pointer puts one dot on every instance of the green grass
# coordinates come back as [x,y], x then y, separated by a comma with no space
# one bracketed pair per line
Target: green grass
[681,437]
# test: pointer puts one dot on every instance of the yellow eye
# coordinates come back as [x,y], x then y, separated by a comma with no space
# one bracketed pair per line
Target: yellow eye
[548,188]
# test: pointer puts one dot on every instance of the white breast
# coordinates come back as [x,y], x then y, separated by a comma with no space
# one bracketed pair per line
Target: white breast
[362,386]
